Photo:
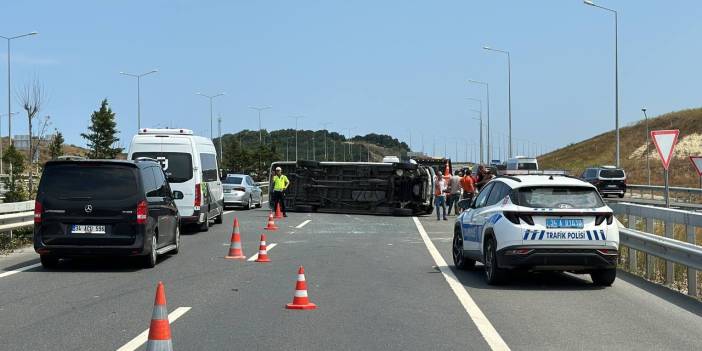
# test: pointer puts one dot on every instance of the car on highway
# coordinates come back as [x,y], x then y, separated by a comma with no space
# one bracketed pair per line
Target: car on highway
[241,190]
[105,207]
[521,162]
[609,180]
[538,222]
[190,162]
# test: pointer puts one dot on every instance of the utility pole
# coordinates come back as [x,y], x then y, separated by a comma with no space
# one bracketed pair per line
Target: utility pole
[296,119]
[211,97]
[219,128]
[324,125]
[648,166]
[259,109]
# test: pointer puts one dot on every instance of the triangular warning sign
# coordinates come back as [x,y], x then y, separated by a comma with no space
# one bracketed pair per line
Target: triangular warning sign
[697,163]
[665,141]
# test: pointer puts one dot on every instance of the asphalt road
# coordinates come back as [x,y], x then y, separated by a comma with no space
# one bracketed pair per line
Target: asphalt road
[375,282]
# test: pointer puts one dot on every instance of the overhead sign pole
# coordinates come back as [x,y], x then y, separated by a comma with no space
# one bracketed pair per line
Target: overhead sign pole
[697,163]
[665,141]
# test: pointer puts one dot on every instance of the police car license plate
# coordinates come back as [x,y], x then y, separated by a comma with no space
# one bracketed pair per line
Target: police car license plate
[576,223]
[87,229]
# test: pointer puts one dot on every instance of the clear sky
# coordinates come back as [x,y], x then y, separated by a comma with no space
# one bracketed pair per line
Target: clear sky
[395,67]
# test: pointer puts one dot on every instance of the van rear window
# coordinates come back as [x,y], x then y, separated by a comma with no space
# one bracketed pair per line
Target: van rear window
[612,173]
[527,165]
[562,197]
[178,166]
[89,181]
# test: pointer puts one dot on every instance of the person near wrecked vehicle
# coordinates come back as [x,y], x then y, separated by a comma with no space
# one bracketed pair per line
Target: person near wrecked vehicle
[280,184]
[468,185]
[440,195]
[453,193]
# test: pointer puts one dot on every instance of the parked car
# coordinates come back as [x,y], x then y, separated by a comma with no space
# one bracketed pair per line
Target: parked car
[241,190]
[607,179]
[105,207]
[190,162]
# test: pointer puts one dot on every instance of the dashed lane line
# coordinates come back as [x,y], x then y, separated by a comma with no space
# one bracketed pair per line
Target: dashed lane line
[142,338]
[303,224]
[268,248]
[490,334]
[18,270]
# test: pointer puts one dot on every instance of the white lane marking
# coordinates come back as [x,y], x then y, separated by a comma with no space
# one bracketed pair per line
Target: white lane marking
[303,224]
[18,270]
[142,338]
[228,212]
[264,202]
[490,334]
[268,248]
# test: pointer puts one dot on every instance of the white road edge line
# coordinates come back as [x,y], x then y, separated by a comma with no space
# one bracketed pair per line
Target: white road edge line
[303,224]
[268,248]
[142,338]
[18,270]
[490,334]
[228,212]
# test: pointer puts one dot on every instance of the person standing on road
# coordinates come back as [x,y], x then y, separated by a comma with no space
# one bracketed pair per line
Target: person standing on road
[280,184]
[440,195]
[454,193]
[487,176]
[468,185]
[480,180]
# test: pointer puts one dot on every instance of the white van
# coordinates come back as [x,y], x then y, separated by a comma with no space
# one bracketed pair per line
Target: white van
[522,163]
[190,162]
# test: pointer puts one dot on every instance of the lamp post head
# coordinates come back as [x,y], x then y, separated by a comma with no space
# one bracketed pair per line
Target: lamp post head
[643,109]
[589,2]
[34,33]
[486,47]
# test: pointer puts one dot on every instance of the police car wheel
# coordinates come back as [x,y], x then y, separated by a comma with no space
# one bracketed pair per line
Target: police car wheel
[459,260]
[604,277]
[493,274]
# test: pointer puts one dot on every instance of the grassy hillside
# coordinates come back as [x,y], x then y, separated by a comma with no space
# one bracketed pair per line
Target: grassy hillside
[600,150]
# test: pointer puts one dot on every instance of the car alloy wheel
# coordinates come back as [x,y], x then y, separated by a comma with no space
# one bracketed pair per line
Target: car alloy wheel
[457,250]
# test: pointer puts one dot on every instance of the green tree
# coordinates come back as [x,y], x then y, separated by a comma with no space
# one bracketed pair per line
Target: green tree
[56,146]
[102,133]
[15,190]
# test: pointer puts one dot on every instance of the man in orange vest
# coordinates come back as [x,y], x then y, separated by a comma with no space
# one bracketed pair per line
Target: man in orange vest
[468,185]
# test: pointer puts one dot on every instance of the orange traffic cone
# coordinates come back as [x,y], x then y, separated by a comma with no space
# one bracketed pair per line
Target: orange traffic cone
[271,224]
[235,250]
[278,214]
[300,300]
[159,330]
[263,251]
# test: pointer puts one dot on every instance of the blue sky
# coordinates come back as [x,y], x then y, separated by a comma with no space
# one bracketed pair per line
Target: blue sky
[395,67]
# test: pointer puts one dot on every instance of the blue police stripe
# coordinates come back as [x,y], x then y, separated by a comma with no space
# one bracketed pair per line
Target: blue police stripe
[597,237]
[526,235]
[533,236]
[542,234]
[603,235]
[589,237]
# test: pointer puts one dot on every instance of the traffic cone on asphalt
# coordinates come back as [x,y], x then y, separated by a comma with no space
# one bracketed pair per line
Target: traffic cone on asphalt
[271,224]
[263,251]
[159,330]
[235,250]
[278,214]
[300,300]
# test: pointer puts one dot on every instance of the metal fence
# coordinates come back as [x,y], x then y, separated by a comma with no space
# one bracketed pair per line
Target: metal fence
[656,192]
[685,253]
[16,215]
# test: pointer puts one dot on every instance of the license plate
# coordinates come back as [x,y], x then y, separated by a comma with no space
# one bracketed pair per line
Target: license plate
[564,223]
[87,229]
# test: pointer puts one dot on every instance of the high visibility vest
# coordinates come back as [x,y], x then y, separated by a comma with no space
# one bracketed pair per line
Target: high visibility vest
[280,182]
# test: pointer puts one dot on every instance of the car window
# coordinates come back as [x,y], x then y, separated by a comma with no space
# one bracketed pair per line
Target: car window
[161,184]
[233,180]
[177,165]
[557,197]
[89,180]
[527,165]
[209,167]
[612,173]
[249,181]
[483,196]
[498,192]
[149,182]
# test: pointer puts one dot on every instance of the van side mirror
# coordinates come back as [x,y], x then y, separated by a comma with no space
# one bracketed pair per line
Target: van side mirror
[178,195]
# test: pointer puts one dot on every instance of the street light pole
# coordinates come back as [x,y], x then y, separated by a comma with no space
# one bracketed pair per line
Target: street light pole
[324,125]
[138,77]
[481,126]
[509,94]
[648,166]
[9,88]
[487,90]
[616,71]
[211,97]
[259,109]
[219,131]
[296,119]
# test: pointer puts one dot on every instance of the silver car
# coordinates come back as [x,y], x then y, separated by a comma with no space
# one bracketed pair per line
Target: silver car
[240,190]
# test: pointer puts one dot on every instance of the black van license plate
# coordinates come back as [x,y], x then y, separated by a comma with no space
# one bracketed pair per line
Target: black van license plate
[87,229]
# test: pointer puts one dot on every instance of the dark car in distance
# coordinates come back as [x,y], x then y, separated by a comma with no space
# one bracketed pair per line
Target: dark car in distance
[609,180]
[105,208]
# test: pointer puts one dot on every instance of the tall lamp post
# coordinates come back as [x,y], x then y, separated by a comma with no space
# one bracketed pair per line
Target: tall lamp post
[648,166]
[325,125]
[138,77]
[259,109]
[481,125]
[509,93]
[616,71]
[487,91]
[296,119]
[211,97]
[10,117]
[9,89]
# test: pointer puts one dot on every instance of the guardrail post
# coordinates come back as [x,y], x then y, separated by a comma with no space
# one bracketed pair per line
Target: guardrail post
[632,253]
[669,266]
[649,259]
[691,273]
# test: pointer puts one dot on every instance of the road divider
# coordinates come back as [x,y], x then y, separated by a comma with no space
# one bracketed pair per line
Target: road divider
[268,248]
[19,270]
[303,224]
[487,330]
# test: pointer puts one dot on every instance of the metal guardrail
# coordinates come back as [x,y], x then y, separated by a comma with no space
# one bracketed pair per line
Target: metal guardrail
[689,195]
[263,185]
[16,215]
[673,251]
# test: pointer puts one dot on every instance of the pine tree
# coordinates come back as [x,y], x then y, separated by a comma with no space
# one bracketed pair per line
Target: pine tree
[102,133]
[56,146]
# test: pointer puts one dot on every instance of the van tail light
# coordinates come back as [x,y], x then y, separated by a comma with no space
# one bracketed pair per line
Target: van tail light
[239,188]
[198,197]
[142,212]
[38,209]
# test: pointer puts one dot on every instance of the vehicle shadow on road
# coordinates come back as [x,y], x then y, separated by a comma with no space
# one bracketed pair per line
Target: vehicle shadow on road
[522,280]
[681,300]
[99,265]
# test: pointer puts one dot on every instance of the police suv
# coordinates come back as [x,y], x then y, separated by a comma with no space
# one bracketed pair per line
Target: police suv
[538,220]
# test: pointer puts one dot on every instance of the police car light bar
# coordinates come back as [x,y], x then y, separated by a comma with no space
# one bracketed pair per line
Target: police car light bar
[534,172]
[162,131]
